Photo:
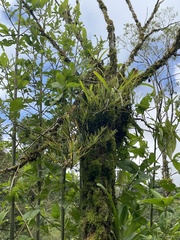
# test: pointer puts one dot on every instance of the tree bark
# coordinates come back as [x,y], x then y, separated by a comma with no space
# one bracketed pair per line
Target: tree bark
[98,166]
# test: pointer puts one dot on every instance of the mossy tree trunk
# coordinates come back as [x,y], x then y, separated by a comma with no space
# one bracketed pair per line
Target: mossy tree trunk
[102,120]
[98,166]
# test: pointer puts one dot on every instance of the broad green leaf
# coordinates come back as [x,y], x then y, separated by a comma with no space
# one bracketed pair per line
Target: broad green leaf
[7,43]
[154,201]
[84,34]
[123,214]
[101,79]
[167,200]
[176,164]
[75,214]
[17,104]
[128,165]
[3,29]
[144,104]
[56,85]
[73,85]
[161,202]
[152,158]
[131,230]
[22,84]
[55,211]
[167,185]
[138,151]
[2,216]
[30,215]
[4,60]
[63,6]
[156,194]
[60,78]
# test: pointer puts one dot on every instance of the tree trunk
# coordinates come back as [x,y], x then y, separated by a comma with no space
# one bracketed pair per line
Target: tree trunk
[98,166]
[102,120]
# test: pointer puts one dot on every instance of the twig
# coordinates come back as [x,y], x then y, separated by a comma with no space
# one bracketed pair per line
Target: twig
[43,33]
[156,7]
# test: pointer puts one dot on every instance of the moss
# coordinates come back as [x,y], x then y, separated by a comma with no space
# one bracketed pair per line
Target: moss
[101,108]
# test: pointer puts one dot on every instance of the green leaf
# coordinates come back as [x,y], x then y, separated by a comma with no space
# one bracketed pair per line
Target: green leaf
[30,215]
[6,42]
[84,34]
[73,85]
[147,85]
[4,29]
[85,90]
[101,79]
[167,185]
[17,104]
[128,165]
[123,215]
[75,214]
[56,85]
[4,60]
[22,84]
[60,78]
[161,202]
[131,229]
[154,201]
[167,200]
[176,162]
[138,151]
[55,211]
[156,194]
[144,104]
[2,216]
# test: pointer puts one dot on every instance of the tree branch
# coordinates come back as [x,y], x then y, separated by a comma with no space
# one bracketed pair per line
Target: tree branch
[140,44]
[158,64]
[141,31]
[43,33]
[138,24]
[111,38]
[156,7]
[34,154]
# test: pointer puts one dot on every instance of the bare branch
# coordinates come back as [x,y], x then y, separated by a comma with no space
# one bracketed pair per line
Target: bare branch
[111,38]
[139,45]
[156,7]
[161,62]
[138,24]
[141,31]
[144,121]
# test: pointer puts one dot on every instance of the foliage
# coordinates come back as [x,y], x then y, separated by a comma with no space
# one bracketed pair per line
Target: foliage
[81,165]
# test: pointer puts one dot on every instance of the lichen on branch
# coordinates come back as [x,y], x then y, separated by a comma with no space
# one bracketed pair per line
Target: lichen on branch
[111,38]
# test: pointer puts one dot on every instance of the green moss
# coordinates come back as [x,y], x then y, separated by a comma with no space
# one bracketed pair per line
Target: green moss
[100,109]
